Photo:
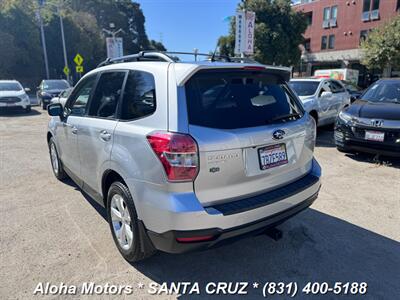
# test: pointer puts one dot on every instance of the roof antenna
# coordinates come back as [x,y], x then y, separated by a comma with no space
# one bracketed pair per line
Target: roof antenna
[215,52]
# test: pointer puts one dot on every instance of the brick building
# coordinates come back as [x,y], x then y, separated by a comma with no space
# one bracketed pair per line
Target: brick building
[335,30]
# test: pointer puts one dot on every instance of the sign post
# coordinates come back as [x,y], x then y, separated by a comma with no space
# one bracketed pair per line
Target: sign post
[78,61]
[244,38]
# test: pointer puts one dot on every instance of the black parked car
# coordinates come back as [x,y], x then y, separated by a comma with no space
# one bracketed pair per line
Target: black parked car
[372,123]
[354,90]
[49,89]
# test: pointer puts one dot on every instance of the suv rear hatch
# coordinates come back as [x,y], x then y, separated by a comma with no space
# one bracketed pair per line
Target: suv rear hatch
[251,132]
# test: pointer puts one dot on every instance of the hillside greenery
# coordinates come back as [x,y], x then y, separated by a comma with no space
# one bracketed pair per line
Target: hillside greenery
[21,54]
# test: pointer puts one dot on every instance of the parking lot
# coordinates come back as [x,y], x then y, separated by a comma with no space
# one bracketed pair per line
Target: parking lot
[51,232]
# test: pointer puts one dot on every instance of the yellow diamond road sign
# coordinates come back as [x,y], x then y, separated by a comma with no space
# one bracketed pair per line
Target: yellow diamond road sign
[78,59]
[66,70]
[79,69]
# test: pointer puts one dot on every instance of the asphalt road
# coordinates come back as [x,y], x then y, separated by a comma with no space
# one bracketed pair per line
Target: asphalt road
[51,232]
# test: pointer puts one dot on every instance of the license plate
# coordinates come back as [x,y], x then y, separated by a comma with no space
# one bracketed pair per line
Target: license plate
[272,156]
[375,136]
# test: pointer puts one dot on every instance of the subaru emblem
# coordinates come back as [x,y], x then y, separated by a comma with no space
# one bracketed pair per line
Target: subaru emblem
[278,134]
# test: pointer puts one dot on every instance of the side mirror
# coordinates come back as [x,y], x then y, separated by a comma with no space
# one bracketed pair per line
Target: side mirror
[27,90]
[326,95]
[55,110]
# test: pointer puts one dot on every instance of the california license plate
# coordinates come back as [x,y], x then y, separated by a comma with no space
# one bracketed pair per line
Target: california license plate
[375,136]
[272,156]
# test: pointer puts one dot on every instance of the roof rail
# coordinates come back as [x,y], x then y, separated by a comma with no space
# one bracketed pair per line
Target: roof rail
[141,56]
[154,55]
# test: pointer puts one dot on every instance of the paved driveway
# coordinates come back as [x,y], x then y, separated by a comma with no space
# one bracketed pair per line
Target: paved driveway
[51,232]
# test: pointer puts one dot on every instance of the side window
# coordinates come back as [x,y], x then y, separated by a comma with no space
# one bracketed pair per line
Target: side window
[107,94]
[79,99]
[336,87]
[325,88]
[139,96]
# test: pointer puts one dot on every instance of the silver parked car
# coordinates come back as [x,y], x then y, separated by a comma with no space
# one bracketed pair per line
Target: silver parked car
[322,98]
[186,156]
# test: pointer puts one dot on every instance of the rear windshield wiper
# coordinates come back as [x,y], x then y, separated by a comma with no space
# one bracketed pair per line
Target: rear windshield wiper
[284,117]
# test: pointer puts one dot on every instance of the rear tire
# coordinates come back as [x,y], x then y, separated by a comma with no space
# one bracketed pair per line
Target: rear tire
[56,163]
[124,224]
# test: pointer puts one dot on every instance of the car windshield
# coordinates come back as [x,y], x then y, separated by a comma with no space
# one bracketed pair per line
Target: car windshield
[55,85]
[383,91]
[239,99]
[304,88]
[10,86]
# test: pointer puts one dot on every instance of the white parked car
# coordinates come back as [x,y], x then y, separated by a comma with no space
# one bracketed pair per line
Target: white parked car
[62,98]
[13,95]
[322,98]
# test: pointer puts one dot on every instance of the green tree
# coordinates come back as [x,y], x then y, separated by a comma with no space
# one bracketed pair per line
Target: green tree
[278,32]
[382,47]
[21,50]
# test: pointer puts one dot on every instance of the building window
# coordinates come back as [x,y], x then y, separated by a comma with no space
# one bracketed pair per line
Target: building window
[398,5]
[323,42]
[375,4]
[375,10]
[307,45]
[366,9]
[333,19]
[331,44]
[309,16]
[363,35]
[370,10]
[330,17]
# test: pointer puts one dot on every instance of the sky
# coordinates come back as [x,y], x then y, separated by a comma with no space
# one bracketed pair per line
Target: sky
[183,25]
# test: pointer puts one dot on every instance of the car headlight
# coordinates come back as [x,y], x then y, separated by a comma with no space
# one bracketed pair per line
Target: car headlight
[346,118]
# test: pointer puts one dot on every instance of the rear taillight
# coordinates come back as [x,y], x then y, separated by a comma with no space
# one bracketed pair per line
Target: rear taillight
[178,154]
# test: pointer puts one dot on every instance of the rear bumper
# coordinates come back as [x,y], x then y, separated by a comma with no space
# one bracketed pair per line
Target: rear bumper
[168,241]
[186,218]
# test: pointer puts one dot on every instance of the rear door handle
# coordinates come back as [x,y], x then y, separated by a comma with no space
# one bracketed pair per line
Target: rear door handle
[105,135]
[74,130]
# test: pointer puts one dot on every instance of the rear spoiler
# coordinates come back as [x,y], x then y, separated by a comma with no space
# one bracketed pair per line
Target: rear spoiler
[283,72]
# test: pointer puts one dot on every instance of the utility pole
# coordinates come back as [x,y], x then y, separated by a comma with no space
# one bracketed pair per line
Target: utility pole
[46,62]
[63,39]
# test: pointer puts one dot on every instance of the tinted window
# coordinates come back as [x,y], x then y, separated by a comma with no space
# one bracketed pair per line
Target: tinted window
[78,103]
[382,91]
[336,87]
[304,88]
[139,96]
[237,99]
[107,94]
[10,86]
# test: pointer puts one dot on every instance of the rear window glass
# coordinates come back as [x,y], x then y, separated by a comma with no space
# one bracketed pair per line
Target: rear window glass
[238,99]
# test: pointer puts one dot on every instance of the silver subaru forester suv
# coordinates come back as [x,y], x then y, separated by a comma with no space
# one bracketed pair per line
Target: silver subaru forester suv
[186,156]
